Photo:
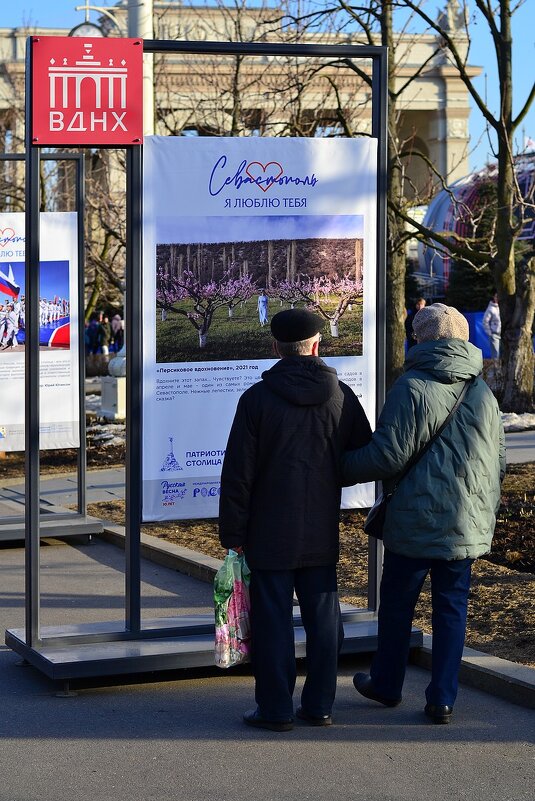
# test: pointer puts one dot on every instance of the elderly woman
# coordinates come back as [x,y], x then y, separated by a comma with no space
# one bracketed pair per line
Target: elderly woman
[442,515]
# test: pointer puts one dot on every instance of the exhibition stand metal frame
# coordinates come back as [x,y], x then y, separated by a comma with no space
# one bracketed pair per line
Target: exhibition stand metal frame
[57,521]
[103,649]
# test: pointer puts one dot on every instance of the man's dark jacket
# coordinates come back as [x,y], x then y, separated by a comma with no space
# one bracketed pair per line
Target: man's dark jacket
[281,478]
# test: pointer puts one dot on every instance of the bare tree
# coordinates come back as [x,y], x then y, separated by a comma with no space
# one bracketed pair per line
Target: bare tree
[514,277]
[105,229]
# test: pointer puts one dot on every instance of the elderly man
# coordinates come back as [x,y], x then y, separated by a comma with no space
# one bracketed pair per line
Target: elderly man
[280,501]
[442,515]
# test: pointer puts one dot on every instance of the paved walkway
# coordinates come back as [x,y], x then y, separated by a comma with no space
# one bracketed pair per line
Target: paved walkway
[179,737]
[61,491]
[520,447]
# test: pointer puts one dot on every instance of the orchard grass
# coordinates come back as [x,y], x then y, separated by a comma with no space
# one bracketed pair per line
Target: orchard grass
[242,337]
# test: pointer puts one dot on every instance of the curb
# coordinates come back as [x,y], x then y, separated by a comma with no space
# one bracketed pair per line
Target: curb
[498,677]
[164,553]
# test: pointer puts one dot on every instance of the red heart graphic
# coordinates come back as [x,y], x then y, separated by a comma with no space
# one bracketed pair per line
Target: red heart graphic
[264,168]
[7,234]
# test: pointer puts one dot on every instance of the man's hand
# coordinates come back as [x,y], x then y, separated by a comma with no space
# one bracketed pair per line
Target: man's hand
[238,549]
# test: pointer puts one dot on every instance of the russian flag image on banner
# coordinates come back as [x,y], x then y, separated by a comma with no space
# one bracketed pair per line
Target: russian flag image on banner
[8,285]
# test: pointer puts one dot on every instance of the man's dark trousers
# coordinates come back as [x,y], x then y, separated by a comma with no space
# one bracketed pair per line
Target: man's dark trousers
[401,583]
[273,652]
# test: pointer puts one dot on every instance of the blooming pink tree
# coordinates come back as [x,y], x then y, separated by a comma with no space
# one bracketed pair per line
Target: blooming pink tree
[330,297]
[206,298]
[289,291]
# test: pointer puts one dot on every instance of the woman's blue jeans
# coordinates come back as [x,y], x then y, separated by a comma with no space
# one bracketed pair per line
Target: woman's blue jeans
[401,584]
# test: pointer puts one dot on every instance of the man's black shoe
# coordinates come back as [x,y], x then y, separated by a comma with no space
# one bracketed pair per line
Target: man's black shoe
[254,718]
[314,720]
[439,713]
[363,685]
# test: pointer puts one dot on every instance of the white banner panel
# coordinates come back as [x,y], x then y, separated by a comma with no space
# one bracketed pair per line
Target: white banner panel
[235,229]
[58,331]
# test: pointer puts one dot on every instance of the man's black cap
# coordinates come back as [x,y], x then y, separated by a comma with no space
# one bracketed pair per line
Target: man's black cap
[295,325]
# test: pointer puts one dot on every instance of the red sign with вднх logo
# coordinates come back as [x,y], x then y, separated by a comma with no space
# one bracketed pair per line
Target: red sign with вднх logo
[86,91]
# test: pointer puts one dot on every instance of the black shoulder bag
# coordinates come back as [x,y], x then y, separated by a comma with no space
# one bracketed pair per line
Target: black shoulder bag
[375,520]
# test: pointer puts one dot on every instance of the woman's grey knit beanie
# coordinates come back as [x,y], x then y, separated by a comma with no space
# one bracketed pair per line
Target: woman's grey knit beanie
[439,321]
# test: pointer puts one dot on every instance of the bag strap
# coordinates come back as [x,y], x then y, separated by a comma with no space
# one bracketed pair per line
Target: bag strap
[418,455]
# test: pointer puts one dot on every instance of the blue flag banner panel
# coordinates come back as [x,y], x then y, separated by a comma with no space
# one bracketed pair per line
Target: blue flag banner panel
[58,331]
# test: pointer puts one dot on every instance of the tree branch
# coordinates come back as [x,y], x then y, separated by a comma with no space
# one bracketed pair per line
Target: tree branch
[531,97]
[452,48]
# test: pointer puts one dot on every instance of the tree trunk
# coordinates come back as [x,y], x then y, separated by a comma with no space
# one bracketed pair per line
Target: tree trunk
[515,282]
[359,259]
[236,124]
[293,253]
[517,356]
[288,260]
[396,260]
[93,297]
[269,262]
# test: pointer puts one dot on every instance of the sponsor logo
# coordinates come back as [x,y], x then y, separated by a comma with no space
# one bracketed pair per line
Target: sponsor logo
[172,491]
[207,492]
[170,464]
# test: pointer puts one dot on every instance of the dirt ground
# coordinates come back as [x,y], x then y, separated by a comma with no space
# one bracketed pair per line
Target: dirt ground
[501,616]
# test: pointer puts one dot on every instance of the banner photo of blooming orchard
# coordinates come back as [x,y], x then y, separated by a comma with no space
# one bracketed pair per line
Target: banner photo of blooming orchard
[58,331]
[235,230]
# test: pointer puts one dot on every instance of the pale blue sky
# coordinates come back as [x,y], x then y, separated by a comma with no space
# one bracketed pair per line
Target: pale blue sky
[61,13]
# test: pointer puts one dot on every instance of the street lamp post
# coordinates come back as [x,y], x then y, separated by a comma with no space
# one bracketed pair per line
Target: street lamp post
[141,25]
[105,11]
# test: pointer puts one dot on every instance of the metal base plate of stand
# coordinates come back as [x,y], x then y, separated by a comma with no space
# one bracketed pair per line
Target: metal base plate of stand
[56,521]
[59,529]
[191,646]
